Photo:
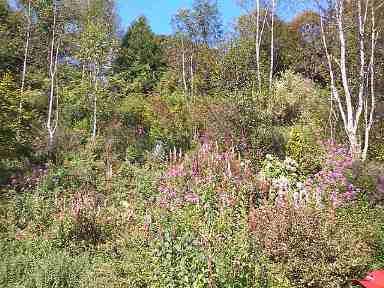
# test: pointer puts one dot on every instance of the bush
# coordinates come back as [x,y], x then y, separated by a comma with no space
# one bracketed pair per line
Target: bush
[370,179]
[376,145]
[333,183]
[310,246]
[150,120]
[85,229]
[303,148]
[33,264]
[193,246]
[370,224]
[291,93]
[195,234]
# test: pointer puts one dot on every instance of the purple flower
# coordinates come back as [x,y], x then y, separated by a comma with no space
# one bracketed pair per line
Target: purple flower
[140,131]
[192,198]
[333,196]
[172,193]
[163,189]
[163,202]
[349,195]
[175,171]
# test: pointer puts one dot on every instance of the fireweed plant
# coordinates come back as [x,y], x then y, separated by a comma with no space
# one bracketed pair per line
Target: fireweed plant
[230,177]
[204,200]
[208,169]
[206,203]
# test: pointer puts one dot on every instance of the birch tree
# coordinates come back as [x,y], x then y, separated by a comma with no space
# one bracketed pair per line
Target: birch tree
[97,41]
[353,101]
[258,39]
[53,101]
[272,54]
[201,28]
[180,25]
[26,50]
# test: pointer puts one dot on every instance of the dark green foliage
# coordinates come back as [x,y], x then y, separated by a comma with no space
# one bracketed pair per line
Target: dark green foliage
[369,177]
[15,129]
[376,148]
[369,222]
[140,59]
[11,39]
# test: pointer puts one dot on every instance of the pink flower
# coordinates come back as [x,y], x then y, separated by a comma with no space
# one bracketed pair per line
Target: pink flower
[172,193]
[192,198]
[176,171]
[163,189]
[140,131]
[163,202]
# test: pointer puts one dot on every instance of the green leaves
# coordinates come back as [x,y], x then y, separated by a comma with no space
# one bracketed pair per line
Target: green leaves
[140,58]
[12,122]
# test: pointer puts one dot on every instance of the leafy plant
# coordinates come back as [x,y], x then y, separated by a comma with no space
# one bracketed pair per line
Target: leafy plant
[310,246]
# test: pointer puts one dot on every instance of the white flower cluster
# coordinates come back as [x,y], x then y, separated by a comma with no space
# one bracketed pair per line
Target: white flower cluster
[281,184]
[290,164]
[300,195]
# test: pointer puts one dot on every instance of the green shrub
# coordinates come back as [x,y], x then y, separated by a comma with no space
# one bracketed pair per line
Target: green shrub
[376,145]
[185,249]
[302,147]
[33,264]
[368,178]
[291,92]
[84,229]
[369,222]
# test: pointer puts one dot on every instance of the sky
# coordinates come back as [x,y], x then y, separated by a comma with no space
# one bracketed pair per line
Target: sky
[160,12]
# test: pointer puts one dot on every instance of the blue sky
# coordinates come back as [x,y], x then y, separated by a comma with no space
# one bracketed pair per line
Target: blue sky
[160,12]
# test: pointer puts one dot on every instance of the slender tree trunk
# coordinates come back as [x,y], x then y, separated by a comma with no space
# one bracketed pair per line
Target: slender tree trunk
[24,73]
[82,74]
[52,123]
[334,91]
[272,47]
[369,122]
[351,114]
[258,45]
[258,41]
[183,65]
[94,128]
[192,77]
[362,76]
[343,67]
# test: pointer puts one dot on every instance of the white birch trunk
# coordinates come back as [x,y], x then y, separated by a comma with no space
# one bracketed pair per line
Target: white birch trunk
[351,114]
[257,45]
[192,77]
[258,41]
[24,73]
[183,66]
[52,123]
[272,47]
[94,126]
[369,122]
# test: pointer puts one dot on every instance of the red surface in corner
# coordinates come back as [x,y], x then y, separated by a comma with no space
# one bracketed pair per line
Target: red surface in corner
[375,279]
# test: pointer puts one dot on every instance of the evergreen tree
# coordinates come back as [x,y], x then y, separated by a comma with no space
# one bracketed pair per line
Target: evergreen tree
[140,60]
